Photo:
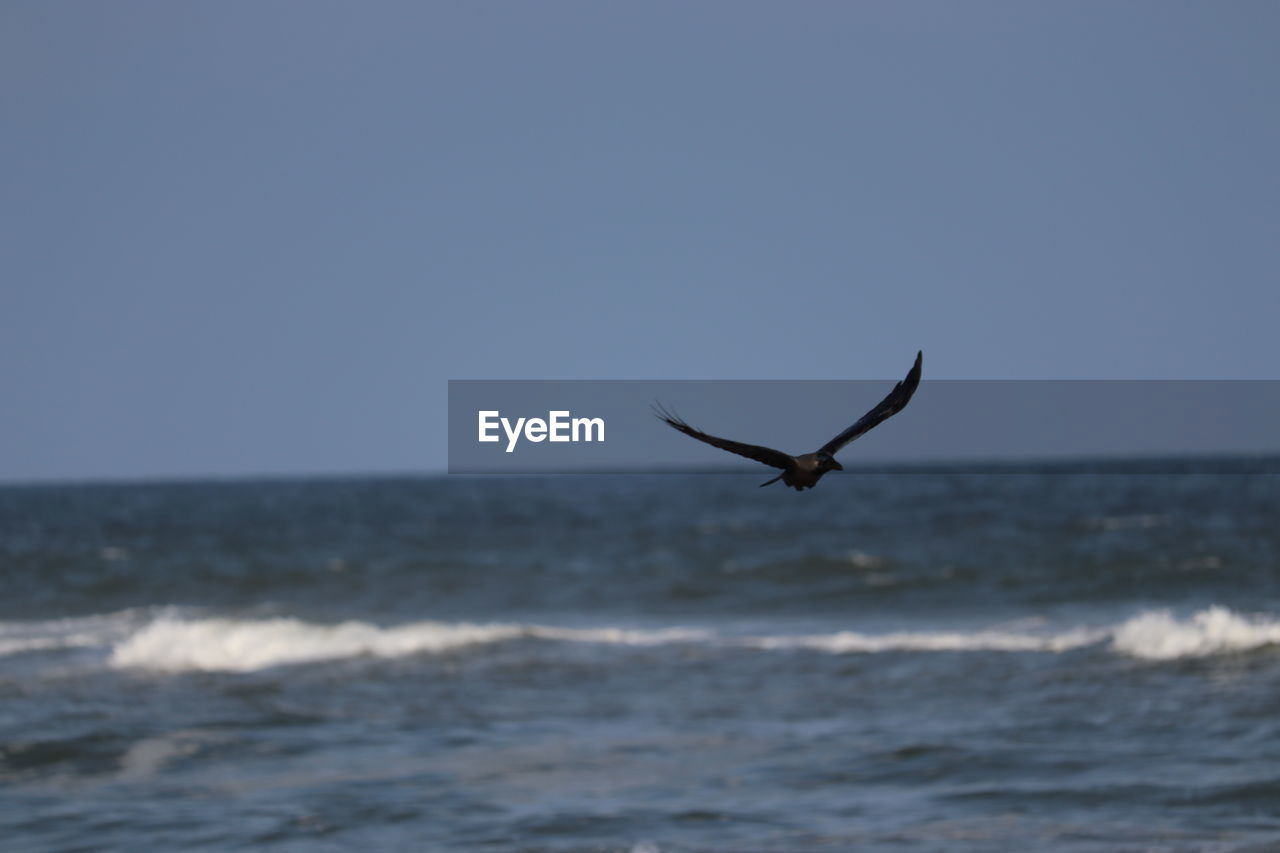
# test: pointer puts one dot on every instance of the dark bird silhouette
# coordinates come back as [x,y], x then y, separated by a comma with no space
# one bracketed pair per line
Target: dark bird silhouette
[804,472]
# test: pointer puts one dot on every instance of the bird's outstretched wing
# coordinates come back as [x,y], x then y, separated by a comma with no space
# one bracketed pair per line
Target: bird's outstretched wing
[886,408]
[767,455]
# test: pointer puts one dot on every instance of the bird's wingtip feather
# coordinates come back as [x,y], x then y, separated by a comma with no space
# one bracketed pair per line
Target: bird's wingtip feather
[662,413]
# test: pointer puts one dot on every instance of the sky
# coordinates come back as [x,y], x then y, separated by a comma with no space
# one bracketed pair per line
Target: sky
[249,238]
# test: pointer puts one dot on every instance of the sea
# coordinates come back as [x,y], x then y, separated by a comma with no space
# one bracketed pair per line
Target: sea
[1063,658]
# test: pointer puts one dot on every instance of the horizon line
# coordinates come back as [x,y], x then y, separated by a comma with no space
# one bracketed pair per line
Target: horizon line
[1105,463]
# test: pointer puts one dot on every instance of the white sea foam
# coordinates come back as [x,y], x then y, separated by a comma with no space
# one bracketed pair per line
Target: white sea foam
[230,645]
[21,637]
[17,646]
[850,642]
[1160,635]
[172,640]
[174,644]
[235,645]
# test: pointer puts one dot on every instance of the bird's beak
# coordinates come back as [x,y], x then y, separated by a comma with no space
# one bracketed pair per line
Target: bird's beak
[836,465]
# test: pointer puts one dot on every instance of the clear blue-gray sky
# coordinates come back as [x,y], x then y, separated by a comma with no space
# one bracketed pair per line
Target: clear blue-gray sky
[258,237]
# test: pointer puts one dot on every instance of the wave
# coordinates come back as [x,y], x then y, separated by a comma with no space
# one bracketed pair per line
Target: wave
[849,642]
[1160,635]
[233,645]
[230,645]
[83,632]
[1153,635]
[167,640]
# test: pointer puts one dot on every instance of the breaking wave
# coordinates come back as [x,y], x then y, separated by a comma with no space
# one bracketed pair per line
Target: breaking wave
[168,641]
[851,642]
[82,632]
[230,645]
[1159,635]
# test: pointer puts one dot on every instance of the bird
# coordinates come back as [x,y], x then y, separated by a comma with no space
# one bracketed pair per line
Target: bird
[804,471]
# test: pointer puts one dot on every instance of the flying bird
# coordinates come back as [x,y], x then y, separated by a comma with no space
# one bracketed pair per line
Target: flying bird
[804,471]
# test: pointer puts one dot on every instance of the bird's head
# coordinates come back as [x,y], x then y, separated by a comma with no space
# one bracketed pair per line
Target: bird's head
[829,463]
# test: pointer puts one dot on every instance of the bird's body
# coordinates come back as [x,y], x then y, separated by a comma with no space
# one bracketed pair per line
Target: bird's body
[808,470]
[804,471]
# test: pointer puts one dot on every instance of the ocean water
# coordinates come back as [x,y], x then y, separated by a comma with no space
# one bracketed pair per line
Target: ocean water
[1073,660]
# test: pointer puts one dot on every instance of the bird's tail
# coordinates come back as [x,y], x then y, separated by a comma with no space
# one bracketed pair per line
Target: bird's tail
[774,480]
